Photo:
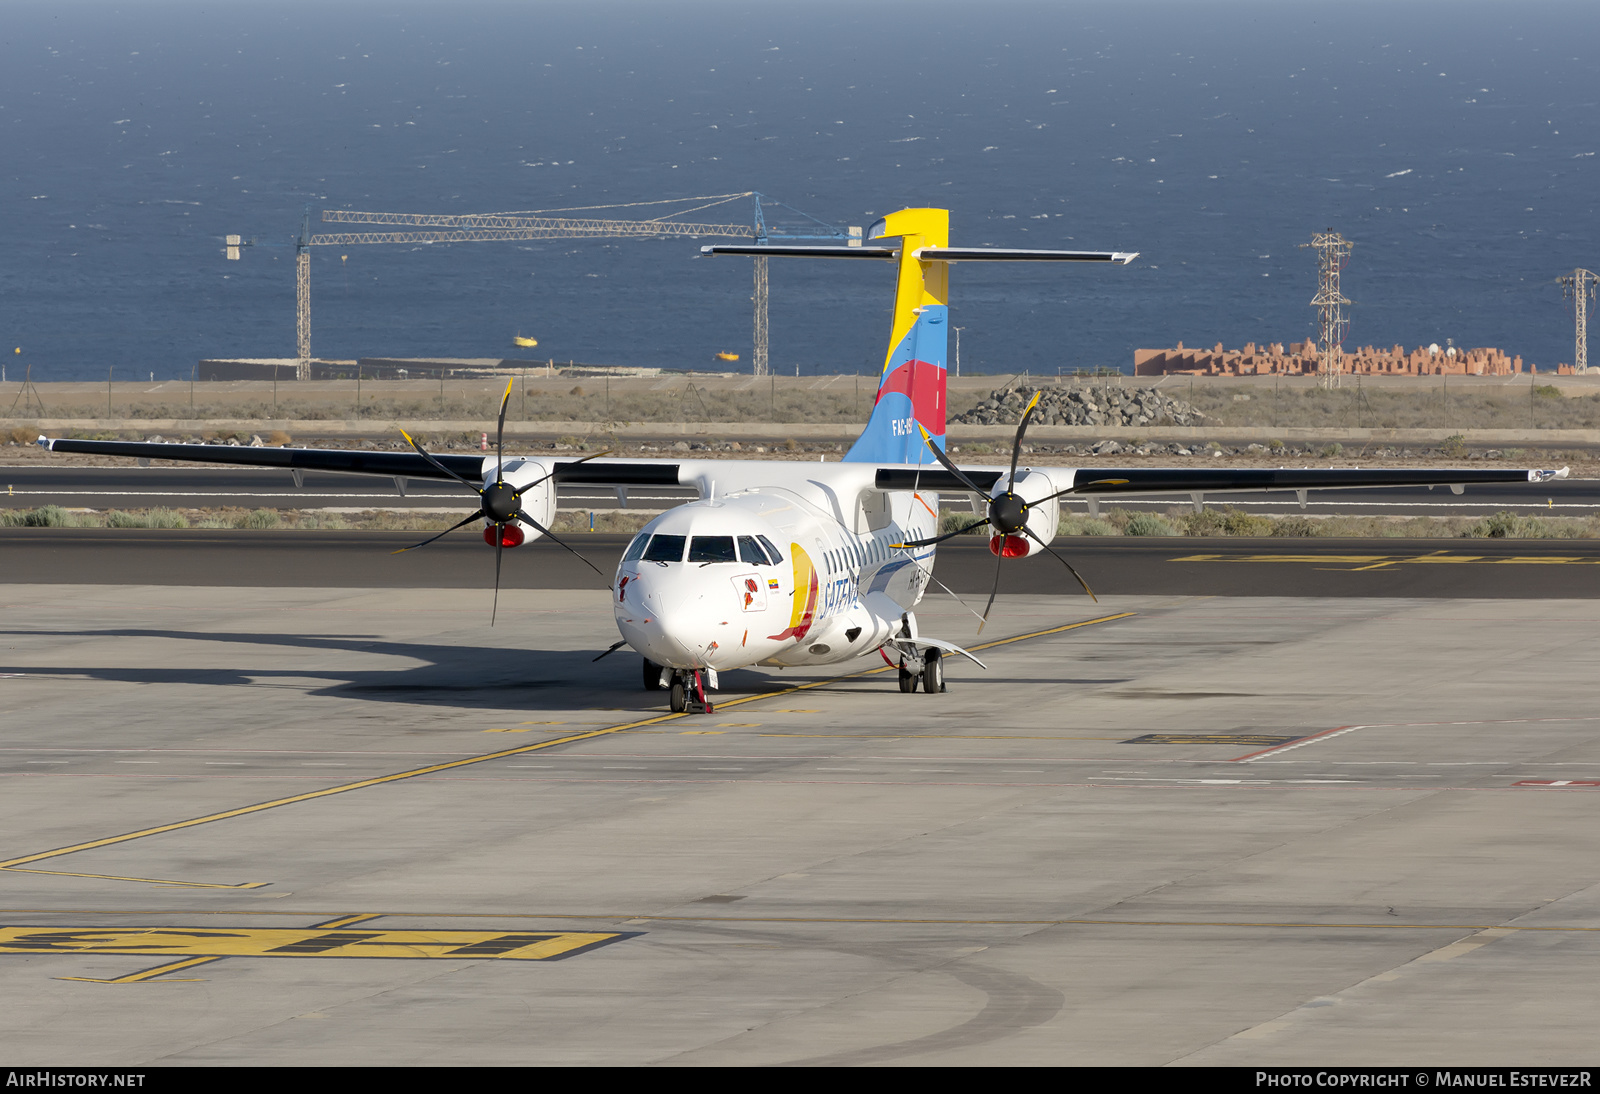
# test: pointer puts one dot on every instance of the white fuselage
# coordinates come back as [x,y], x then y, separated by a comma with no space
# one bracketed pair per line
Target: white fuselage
[799,570]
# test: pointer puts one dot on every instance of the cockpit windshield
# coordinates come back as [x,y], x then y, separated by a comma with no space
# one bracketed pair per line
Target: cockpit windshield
[665,549]
[751,551]
[712,549]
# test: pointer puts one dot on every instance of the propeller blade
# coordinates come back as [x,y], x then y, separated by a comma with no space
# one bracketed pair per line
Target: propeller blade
[500,435]
[1016,447]
[615,646]
[1079,486]
[945,461]
[425,454]
[1065,563]
[580,459]
[941,539]
[499,549]
[526,519]
[479,515]
[999,559]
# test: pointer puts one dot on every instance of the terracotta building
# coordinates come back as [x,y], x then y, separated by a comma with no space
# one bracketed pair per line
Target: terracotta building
[1301,359]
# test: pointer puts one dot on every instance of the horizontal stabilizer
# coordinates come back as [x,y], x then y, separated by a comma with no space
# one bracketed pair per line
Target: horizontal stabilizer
[880,253]
[1004,254]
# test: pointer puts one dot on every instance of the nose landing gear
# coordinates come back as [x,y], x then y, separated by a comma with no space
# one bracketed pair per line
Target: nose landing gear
[687,693]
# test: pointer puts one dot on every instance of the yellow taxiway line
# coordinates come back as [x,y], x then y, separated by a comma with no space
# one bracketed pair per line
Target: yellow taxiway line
[450,765]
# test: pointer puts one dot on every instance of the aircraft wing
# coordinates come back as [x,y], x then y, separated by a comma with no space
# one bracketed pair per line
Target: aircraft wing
[1094,481]
[1103,481]
[357,461]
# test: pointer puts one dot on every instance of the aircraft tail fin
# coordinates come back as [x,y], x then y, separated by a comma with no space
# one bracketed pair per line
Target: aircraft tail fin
[911,384]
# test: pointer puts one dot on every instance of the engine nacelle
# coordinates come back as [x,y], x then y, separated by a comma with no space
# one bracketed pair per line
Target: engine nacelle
[1043,516]
[536,497]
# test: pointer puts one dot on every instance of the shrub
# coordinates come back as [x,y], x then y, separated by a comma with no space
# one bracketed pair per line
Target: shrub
[47,516]
[1547,391]
[1092,526]
[1294,526]
[1236,522]
[1149,524]
[1329,451]
[949,522]
[1454,446]
[1207,522]
[259,519]
[1505,525]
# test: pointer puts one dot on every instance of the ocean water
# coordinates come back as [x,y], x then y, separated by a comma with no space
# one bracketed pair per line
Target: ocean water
[1455,143]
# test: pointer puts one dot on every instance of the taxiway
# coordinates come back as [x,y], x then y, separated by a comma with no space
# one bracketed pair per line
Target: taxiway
[286,824]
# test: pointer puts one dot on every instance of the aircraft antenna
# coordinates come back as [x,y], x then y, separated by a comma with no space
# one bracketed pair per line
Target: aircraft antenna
[1579,288]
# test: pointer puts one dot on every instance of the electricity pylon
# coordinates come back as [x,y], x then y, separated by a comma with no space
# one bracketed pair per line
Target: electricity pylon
[1333,251]
[1579,288]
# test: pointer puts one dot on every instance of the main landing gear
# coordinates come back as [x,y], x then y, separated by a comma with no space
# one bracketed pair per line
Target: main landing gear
[930,674]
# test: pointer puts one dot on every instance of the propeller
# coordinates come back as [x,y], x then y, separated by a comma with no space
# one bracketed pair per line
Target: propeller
[1007,511]
[501,503]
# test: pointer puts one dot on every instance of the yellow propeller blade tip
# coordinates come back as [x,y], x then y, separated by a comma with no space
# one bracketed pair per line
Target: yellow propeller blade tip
[1033,402]
[507,395]
[407,436]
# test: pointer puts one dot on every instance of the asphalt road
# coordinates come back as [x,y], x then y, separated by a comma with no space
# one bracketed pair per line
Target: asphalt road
[30,486]
[1121,566]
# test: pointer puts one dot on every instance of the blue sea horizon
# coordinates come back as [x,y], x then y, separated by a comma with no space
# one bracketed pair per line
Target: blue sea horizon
[1455,144]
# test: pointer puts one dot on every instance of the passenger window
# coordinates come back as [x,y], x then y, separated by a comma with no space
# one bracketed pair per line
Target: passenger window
[772,552]
[751,551]
[665,549]
[636,548]
[712,549]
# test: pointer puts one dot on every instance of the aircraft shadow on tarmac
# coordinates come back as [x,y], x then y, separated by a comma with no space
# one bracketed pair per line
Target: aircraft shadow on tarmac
[459,676]
[468,677]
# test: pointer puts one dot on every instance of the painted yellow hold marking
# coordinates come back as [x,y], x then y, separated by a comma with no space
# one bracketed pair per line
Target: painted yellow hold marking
[211,943]
[151,974]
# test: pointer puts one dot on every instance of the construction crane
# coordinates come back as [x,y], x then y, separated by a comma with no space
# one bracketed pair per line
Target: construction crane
[495,227]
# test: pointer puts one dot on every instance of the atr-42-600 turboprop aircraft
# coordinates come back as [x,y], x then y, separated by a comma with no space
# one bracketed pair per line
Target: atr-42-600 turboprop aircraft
[784,563]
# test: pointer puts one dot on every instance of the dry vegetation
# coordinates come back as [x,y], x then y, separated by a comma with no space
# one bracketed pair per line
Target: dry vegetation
[1235,522]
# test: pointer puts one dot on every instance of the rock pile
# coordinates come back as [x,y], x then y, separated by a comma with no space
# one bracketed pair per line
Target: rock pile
[1107,405]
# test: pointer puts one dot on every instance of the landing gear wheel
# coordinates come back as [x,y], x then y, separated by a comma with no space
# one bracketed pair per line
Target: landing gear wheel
[932,672]
[908,680]
[652,675]
[678,696]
